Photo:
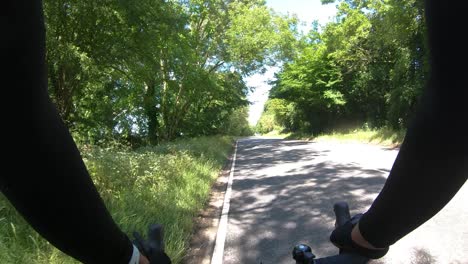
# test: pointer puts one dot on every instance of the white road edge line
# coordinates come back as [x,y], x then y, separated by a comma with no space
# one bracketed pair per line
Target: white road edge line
[218,252]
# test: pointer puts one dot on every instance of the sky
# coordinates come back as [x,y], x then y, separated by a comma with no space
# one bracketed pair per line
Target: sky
[307,11]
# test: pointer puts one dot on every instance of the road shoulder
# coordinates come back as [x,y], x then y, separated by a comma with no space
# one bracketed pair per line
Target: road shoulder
[206,223]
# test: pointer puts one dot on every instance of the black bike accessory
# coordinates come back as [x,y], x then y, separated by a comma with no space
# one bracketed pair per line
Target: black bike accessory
[342,214]
[341,238]
[303,254]
[155,237]
[153,248]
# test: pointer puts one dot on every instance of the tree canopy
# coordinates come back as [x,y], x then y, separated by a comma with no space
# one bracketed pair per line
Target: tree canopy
[158,69]
[367,66]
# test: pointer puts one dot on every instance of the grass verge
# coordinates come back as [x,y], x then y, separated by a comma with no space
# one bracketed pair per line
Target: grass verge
[168,184]
[382,136]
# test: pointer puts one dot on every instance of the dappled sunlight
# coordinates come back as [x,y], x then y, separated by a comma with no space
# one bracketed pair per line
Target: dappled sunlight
[283,194]
[284,191]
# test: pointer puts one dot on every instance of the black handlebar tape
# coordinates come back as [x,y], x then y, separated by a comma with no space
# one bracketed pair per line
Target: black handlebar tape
[343,259]
[155,238]
[341,212]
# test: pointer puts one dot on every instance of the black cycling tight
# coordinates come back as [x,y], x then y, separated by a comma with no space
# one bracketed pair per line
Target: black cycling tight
[432,164]
[51,188]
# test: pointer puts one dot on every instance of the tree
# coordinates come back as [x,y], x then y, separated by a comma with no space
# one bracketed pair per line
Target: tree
[368,66]
[158,69]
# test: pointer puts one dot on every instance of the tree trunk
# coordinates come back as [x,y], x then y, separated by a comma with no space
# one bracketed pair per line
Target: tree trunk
[151,112]
[62,92]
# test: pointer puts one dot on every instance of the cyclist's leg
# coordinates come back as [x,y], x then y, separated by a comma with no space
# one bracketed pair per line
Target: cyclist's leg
[56,195]
[432,164]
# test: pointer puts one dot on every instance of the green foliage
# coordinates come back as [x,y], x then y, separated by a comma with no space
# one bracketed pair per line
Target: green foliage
[278,115]
[156,70]
[167,184]
[237,125]
[266,123]
[369,66]
[82,43]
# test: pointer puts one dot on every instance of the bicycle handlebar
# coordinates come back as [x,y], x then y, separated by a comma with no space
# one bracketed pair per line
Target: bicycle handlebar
[154,246]
[303,253]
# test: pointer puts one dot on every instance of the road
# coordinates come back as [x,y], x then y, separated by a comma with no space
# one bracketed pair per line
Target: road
[283,193]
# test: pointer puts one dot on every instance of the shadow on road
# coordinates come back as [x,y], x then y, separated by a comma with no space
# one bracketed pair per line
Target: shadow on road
[283,194]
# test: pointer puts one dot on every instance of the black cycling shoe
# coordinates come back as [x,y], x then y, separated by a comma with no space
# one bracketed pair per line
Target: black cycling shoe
[341,238]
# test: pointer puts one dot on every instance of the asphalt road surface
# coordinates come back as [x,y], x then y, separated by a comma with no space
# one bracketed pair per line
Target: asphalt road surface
[283,194]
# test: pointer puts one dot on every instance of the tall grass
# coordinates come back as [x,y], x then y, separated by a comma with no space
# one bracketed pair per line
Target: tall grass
[381,136]
[167,184]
